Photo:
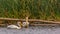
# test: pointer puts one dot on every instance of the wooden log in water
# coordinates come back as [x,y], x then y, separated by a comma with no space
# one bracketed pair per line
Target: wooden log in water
[12,19]
[2,24]
[45,21]
[43,24]
[30,20]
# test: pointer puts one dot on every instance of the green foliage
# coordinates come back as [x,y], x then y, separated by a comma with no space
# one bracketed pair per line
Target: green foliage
[36,9]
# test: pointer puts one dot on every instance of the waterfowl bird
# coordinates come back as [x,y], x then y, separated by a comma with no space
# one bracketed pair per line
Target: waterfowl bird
[14,26]
[25,24]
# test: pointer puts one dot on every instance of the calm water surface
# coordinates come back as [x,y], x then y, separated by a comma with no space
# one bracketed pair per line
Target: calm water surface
[32,30]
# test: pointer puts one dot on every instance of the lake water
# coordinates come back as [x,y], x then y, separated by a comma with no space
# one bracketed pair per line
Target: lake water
[32,30]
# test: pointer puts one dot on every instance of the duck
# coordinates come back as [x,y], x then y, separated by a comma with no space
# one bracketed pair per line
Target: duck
[15,26]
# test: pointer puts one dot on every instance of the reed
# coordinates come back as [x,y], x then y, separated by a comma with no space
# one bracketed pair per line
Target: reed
[36,9]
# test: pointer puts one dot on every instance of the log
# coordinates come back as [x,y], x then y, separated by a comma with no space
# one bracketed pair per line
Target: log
[9,19]
[2,24]
[43,24]
[30,20]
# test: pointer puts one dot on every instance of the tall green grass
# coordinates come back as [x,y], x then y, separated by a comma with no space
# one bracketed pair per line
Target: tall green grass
[36,9]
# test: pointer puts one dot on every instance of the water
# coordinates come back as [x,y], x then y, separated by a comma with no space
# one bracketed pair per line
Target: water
[32,30]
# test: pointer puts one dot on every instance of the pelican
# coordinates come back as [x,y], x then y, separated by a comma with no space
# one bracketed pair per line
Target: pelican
[14,26]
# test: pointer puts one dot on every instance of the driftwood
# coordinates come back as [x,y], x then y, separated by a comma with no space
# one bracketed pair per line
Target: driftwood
[44,24]
[2,24]
[30,20]
[9,19]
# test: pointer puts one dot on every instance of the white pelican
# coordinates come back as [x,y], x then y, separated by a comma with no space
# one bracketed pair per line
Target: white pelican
[14,26]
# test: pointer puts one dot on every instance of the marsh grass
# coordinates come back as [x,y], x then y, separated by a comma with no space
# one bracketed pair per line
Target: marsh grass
[36,9]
